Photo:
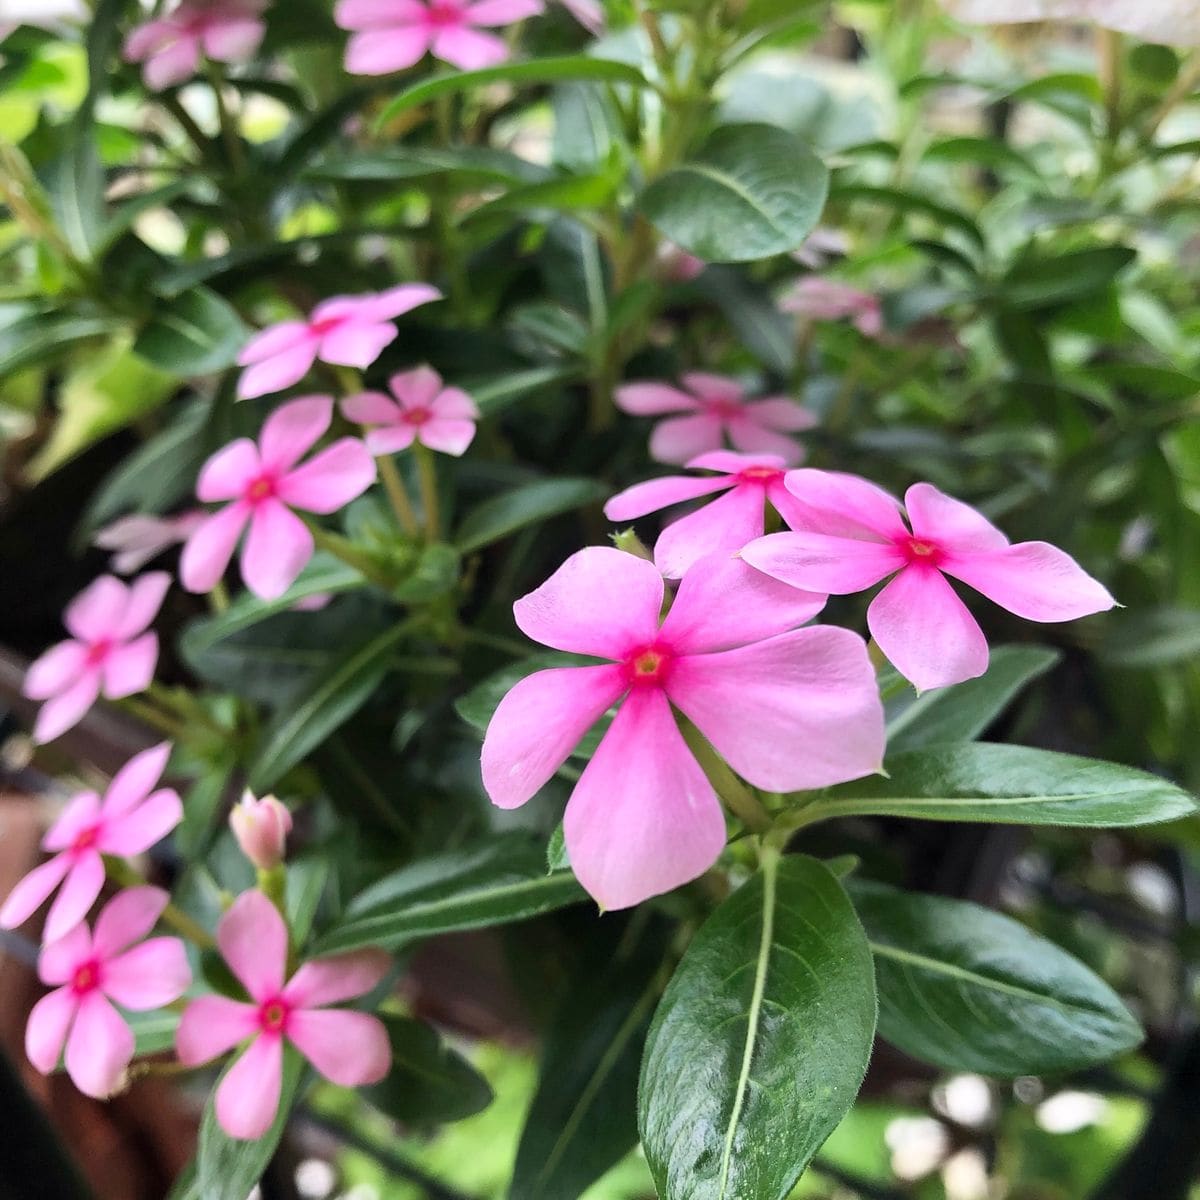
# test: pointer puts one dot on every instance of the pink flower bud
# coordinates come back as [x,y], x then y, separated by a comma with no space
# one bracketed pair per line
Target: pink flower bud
[261,828]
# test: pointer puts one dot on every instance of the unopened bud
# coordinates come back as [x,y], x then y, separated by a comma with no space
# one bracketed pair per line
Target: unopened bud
[261,828]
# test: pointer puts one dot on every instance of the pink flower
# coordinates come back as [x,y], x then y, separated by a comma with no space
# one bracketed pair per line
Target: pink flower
[717,408]
[129,820]
[349,1048]
[787,708]
[172,46]
[110,652]
[265,484]
[350,331]
[138,538]
[723,527]
[261,827]
[93,969]
[393,35]
[851,535]
[819,299]
[424,411]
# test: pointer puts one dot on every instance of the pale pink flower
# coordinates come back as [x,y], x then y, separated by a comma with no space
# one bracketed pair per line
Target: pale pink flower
[110,651]
[349,331]
[717,408]
[819,299]
[94,969]
[140,537]
[787,708]
[265,484]
[171,47]
[393,35]
[349,1048]
[261,827]
[722,527]
[130,819]
[442,418]
[850,535]
[820,247]
[1170,22]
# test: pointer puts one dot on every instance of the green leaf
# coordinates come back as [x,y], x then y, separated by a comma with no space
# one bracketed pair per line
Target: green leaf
[540,70]
[495,393]
[911,203]
[527,505]
[332,699]
[1151,637]
[761,1041]
[470,163]
[1007,785]
[429,1083]
[961,713]
[153,1031]
[986,151]
[1039,282]
[583,1118]
[478,705]
[194,334]
[40,337]
[751,192]
[967,989]
[228,1169]
[77,193]
[497,883]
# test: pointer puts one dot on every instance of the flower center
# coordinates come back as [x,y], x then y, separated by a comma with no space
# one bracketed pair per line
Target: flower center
[86,839]
[920,553]
[324,325]
[273,1015]
[97,652]
[444,13]
[726,410]
[760,474]
[263,488]
[86,977]
[417,416]
[648,666]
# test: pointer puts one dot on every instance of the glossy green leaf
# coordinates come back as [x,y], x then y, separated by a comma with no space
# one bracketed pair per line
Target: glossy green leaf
[911,204]
[39,337]
[752,191]
[429,1083]
[1040,281]
[497,883]
[1152,637]
[962,712]
[527,505]
[153,1031]
[194,334]
[496,393]
[399,163]
[967,989]
[761,1040]
[1008,785]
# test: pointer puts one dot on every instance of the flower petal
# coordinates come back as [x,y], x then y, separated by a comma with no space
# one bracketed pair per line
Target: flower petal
[654,494]
[731,462]
[368,14]
[61,958]
[389,439]
[330,479]
[254,941]
[355,344]
[248,1096]
[820,562]
[371,408]
[129,669]
[926,631]
[643,818]
[275,340]
[174,63]
[47,1028]
[148,976]
[96,612]
[800,710]
[468,49]
[349,1048]
[446,435]
[80,814]
[653,399]
[147,38]
[99,1048]
[396,301]
[722,527]
[280,371]
[454,404]
[417,388]
[955,526]
[208,550]
[32,890]
[61,712]
[723,602]
[752,438]
[342,977]
[210,1025]
[843,505]
[134,781]
[55,670]
[782,413]
[680,439]
[145,598]
[276,550]
[229,472]
[127,918]
[82,885]
[135,832]
[537,725]
[601,601]
[502,12]
[292,429]
[234,39]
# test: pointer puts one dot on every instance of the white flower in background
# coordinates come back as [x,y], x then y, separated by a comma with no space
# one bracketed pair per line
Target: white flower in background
[1170,22]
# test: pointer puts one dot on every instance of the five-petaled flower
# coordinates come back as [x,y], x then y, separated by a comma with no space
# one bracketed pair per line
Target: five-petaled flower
[818,299]
[131,818]
[393,35]
[93,969]
[787,708]
[349,1048]
[348,331]
[717,408]
[110,651]
[848,535]
[722,527]
[442,418]
[171,47]
[265,484]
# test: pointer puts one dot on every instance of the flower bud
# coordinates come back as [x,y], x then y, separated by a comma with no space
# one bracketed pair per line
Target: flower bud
[261,828]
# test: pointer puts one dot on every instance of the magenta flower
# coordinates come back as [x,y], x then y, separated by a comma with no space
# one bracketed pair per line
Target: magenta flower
[349,1048]
[171,47]
[393,35]
[350,331]
[819,299]
[130,819]
[138,538]
[717,408]
[442,418]
[723,527]
[110,651]
[265,484]
[851,535]
[93,969]
[787,708]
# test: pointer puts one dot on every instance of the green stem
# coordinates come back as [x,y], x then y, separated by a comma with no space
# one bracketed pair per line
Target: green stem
[342,549]
[218,597]
[734,794]
[153,716]
[120,872]
[229,131]
[398,495]
[427,471]
[187,123]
